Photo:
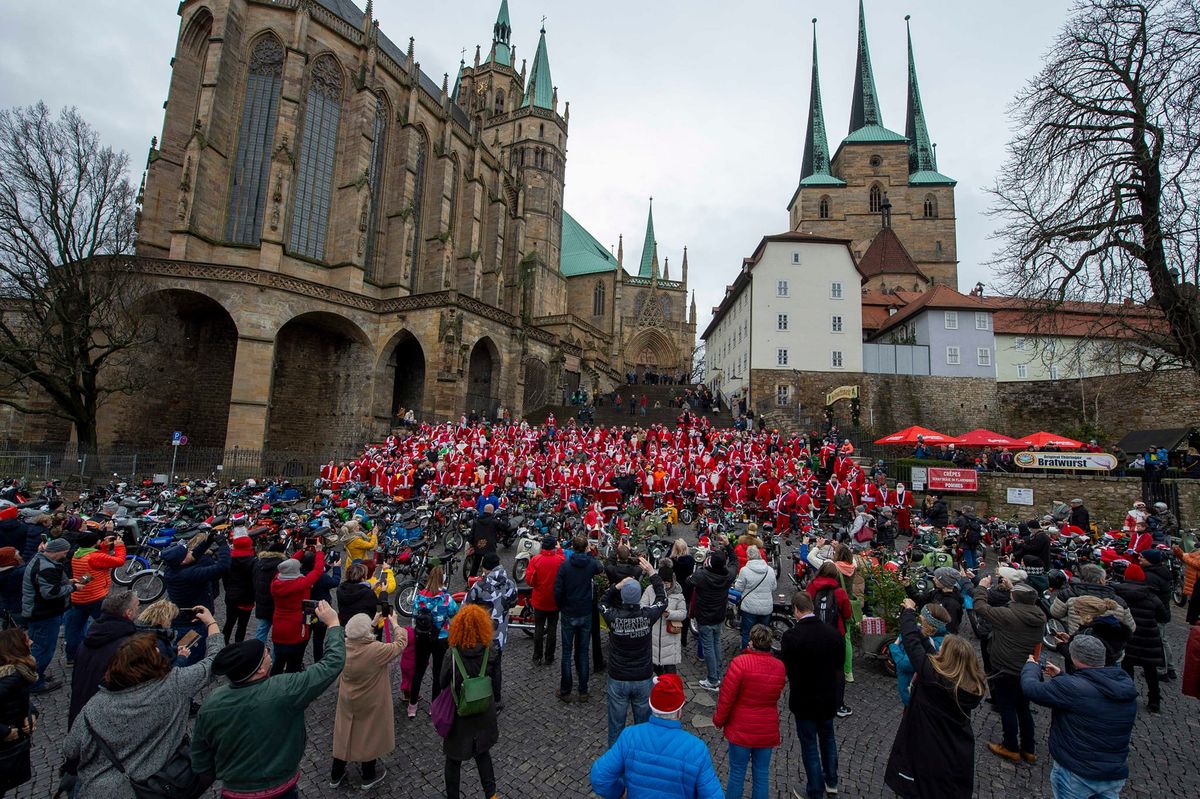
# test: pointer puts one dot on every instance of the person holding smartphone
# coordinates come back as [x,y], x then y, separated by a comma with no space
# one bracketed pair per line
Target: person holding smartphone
[92,564]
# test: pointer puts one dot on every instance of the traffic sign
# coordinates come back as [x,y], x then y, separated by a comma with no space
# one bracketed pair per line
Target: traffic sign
[176,438]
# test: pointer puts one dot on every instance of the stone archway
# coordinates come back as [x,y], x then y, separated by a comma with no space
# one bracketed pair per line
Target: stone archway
[650,350]
[189,373]
[483,378]
[320,385]
[400,378]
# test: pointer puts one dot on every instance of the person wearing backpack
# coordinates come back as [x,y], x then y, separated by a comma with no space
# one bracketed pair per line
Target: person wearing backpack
[432,611]
[474,730]
[831,605]
[971,530]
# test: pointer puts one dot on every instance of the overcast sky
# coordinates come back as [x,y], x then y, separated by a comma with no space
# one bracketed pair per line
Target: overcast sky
[699,103]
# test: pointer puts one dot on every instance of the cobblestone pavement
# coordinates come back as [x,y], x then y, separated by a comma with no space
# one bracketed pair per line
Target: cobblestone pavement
[546,748]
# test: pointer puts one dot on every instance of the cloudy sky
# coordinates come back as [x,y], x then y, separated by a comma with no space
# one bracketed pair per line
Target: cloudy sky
[698,103]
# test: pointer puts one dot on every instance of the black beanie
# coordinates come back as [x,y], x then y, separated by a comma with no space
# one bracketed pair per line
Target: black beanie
[239,661]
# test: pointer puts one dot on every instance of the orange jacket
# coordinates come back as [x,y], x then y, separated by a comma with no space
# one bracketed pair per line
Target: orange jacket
[1191,562]
[99,565]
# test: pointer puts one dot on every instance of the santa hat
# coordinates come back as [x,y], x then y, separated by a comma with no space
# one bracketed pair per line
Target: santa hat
[1134,574]
[243,546]
[667,694]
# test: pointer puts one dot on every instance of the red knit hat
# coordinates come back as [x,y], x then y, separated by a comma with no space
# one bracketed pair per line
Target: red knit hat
[242,546]
[1134,574]
[667,694]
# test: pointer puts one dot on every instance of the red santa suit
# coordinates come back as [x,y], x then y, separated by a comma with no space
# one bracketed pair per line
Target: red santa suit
[902,502]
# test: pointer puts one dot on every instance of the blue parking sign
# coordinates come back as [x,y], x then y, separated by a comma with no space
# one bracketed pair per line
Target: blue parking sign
[176,438]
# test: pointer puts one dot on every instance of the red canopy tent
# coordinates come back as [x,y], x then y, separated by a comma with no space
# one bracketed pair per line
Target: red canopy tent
[1044,439]
[987,438]
[909,436]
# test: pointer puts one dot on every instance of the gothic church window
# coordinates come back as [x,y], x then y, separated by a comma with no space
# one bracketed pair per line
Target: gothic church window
[418,199]
[876,198]
[499,101]
[375,182]
[318,150]
[823,208]
[598,299]
[930,207]
[256,136]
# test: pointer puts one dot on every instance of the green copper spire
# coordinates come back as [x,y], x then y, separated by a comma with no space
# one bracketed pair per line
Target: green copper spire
[814,169]
[539,92]
[501,37]
[462,64]
[922,157]
[647,267]
[864,110]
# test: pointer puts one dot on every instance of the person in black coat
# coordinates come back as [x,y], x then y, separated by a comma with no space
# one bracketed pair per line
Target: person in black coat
[1145,646]
[814,655]
[355,596]
[322,591]
[684,565]
[104,636]
[1037,544]
[18,716]
[933,756]
[239,589]
[485,532]
[710,587]
[12,573]
[938,513]
[1080,516]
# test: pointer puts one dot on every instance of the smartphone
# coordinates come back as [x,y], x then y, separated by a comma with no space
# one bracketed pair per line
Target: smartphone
[186,616]
[189,638]
[385,609]
[310,611]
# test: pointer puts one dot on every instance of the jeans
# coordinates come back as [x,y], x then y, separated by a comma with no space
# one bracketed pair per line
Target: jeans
[428,648]
[759,759]
[1013,707]
[710,640]
[487,775]
[819,750]
[748,621]
[970,557]
[263,631]
[545,624]
[623,695]
[44,634]
[576,632]
[75,624]
[1069,785]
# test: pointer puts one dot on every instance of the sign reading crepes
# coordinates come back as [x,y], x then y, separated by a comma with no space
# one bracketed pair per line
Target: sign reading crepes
[1087,461]
[841,393]
[953,480]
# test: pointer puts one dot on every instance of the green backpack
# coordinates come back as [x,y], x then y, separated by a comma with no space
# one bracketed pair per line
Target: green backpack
[475,694]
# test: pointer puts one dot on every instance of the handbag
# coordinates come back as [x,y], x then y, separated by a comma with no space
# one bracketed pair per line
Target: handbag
[674,627]
[175,780]
[442,710]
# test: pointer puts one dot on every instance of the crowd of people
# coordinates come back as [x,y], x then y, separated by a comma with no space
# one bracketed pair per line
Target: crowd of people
[139,676]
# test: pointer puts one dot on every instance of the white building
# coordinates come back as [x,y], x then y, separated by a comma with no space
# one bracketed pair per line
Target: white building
[795,307]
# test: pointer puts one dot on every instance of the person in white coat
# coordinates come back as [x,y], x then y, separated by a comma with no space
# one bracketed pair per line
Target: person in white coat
[756,583]
[666,634]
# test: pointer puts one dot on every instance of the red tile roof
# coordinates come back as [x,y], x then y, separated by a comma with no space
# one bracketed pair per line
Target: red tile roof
[887,256]
[938,297]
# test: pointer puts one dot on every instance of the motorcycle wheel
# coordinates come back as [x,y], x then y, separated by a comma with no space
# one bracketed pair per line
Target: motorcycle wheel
[124,574]
[148,586]
[406,597]
[686,516]
[519,567]
[526,617]
[453,540]
[1180,598]
[780,624]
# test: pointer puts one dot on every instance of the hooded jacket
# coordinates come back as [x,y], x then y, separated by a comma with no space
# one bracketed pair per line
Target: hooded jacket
[99,564]
[573,585]
[497,592]
[840,596]
[354,598]
[667,649]
[1145,646]
[710,592]
[1016,630]
[104,636]
[239,582]
[45,588]
[756,581]
[656,760]
[1062,607]
[630,647]
[287,623]
[1092,714]
[748,705]
[541,575]
[265,566]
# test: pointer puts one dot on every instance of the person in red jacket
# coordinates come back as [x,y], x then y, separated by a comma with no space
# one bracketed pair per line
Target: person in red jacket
[289,633]
[748,710]
[92,565]
[831,604]
[542,571]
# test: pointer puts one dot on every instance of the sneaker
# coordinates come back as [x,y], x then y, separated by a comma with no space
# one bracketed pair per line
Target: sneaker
[709,686]
[850,677]
[583,697]
[366,786]
[1029,757]
[831,790]
[49,684]
[412,711]
[844,712]
[564,697]
[999,751]
[338,782]
[1170,675]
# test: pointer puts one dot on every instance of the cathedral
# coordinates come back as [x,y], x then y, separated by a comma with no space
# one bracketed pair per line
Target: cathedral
[329,235]
[881,190]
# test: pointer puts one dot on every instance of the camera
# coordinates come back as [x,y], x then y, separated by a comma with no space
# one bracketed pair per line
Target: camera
[309,607]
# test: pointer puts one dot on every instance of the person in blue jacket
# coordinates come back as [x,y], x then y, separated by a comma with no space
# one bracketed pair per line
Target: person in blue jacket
[1092,715]
[933,619]
[189,577]
[658,759]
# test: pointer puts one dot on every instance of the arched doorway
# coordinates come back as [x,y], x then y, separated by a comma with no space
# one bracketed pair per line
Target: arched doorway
[188,373]
[408,384]
[320,386]
[651,351]
[483,378]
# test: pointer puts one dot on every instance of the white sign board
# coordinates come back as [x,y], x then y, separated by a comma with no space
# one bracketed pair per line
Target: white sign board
[919,476]
[1020,496]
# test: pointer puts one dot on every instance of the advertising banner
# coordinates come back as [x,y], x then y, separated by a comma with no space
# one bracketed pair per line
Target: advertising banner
[1087,461]
[953,480]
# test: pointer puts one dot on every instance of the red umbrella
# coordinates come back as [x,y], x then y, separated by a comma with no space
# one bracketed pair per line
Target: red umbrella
[988,438]
[1044,439]
[909,435]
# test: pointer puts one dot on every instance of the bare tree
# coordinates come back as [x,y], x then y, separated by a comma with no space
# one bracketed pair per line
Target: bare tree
[66,208]
[1097,200]
[696,370]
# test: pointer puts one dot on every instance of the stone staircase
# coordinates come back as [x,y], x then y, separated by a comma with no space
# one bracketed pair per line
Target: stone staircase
[607,414]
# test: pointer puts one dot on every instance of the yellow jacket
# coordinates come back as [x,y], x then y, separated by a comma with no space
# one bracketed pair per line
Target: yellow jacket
[359,547]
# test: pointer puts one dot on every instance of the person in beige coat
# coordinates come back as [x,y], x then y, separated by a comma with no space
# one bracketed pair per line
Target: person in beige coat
[666,651]
[363,726]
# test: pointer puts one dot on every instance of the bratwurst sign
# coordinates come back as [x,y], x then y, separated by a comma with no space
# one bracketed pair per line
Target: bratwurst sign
[1086,461]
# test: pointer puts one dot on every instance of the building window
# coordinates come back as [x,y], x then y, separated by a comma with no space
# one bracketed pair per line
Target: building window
[823,207]
[1053,372]
[1019,344]
[375,181]
[598,299]
[1022,371]
[256,137]
[937,246]
[418,198]
[983,356]
[783,395]
[952,356]
[781,356]
[835,324]
[314,169]
[876,162]
[835,290]
[796,257]
[781,323]
[499,101]
[781,288]
[983,320]
[835,359]
[876,198]
[930,207]
[951,320]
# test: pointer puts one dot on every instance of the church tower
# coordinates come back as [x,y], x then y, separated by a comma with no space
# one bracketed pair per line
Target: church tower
[844,195]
